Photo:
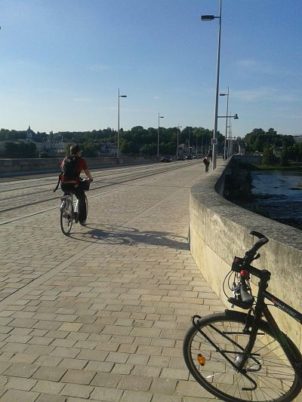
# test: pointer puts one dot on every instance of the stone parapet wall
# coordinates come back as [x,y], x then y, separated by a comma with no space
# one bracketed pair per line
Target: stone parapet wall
[37,165]
[219,230]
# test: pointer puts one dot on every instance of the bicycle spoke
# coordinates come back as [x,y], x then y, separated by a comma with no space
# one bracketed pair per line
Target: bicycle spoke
[266,376]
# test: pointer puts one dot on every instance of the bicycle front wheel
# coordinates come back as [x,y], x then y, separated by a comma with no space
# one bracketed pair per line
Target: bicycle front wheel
[214,348]
[66,219]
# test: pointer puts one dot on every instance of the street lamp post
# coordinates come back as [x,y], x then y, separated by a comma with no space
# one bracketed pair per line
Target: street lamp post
[119,96]
[226,125]
[177,140]
[158,128]
[214,139]
[235,117]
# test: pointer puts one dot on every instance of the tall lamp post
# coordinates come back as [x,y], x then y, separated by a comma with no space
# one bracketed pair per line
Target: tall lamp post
[226,124]
[158,128]
[235,117]
[177,140]
[214,138]
[119,96]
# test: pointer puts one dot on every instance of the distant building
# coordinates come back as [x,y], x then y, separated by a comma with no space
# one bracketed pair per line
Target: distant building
[48,148]
[30,134]
[108,148]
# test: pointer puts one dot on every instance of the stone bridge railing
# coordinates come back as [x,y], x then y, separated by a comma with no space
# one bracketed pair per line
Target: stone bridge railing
[43,165]
[219,230]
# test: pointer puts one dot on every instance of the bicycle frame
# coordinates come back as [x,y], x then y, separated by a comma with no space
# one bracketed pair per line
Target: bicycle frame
[283,306]
[278,333]
[261,309]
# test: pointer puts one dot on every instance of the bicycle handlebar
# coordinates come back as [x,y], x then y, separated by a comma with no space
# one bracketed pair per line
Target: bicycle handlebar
[250,255]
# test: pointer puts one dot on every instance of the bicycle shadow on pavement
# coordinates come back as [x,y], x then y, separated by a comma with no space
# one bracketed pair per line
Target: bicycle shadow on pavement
[131,236]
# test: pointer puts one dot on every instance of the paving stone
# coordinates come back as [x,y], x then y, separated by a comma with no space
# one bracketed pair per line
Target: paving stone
[73,364]
[17,396]
[20,383]
[132,396]
[51,398]
[48,387]
[70,327]
[23,358]
[104,367]
[135,383]
[76,390]
[146,371]
[65,352]
[78,376]
[168,398]
[4,365]
[48,361]
[109,380]
[117,357]
[49,373]
[122,368]
[107,394]
[21,370]
[163,386]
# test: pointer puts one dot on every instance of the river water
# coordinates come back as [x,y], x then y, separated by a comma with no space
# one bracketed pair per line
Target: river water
[278,195]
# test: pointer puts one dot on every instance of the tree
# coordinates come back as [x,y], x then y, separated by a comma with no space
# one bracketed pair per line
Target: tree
[20,150]
[268,157]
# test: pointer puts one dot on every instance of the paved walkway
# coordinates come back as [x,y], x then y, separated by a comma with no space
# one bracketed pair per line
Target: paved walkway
[101,316]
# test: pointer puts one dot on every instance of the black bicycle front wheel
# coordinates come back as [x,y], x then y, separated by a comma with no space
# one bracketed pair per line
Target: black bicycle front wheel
[214,347]
[66,218]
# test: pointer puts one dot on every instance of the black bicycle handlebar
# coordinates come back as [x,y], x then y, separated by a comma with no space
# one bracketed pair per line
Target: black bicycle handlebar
[250,254]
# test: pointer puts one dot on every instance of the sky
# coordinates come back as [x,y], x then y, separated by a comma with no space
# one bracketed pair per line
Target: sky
[63,61]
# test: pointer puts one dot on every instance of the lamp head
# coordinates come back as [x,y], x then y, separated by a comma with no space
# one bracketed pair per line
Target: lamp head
[207,17]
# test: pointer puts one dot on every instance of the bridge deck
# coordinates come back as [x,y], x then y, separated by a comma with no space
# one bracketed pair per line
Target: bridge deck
[101,315]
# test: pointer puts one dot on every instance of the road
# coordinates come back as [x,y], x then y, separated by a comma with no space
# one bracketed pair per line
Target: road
[100,315]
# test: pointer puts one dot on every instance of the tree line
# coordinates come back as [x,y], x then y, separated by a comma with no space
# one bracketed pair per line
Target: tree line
[275,148]
[137,141]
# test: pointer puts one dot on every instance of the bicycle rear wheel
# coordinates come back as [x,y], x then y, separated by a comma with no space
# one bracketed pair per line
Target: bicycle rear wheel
[215,346]
[66,217]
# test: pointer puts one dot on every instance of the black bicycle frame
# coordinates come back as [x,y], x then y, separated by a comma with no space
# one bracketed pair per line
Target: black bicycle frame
[288,350]
[283,306]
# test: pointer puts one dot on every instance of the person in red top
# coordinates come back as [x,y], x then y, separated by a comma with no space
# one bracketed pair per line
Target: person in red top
[72,182]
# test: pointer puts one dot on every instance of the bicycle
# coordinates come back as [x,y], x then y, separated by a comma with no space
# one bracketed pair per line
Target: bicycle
[69,209]
[238,356]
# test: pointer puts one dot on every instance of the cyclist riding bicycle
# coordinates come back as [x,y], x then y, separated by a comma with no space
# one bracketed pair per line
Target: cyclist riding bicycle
[71,182]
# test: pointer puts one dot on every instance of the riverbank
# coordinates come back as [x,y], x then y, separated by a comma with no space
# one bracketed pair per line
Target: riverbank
[267,191]
[292,167]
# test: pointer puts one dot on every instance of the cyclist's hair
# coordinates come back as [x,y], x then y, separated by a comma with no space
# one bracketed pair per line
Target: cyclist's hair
[74,149]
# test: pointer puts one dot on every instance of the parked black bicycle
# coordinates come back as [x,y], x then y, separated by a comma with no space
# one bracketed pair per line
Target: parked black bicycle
[241,357]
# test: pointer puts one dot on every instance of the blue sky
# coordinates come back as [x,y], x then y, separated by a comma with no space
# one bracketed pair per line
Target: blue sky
[62,62]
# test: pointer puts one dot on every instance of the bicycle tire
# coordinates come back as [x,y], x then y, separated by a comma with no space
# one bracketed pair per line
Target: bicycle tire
[268,367]
[66,218]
